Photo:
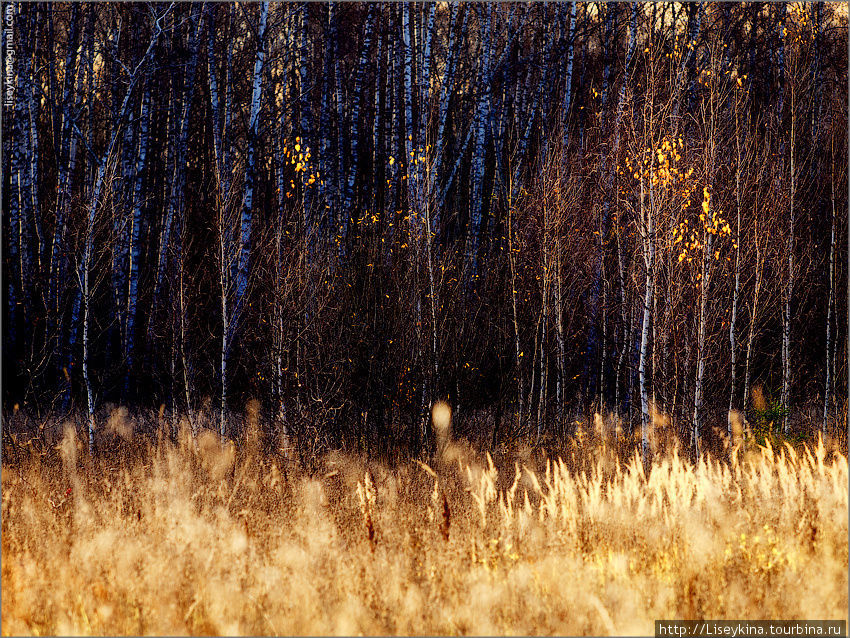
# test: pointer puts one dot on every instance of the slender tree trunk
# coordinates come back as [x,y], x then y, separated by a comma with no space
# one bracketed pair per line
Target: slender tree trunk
[392,151]
[568,82]
[701,332]
[306,113]
[611,14]
[708,234]
[342,143]
[594,369]
[86,299]
[67,158]
[408,108]
[14,243]
[789,289]
[782,10]
[177,184]
[84,265]
[733,319]
[135,237]
[545,276]
[517,346]
[378,170]
[250,165]
[225,327]
[830,309]
[33,176]
[477,205]
[327,162]
[425,82]
[446,91]
[648,239]
[760,257]
[559,333]
[365,50]
[626,327]
[565,112]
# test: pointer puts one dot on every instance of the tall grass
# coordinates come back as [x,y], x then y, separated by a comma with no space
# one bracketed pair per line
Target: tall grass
[196,537]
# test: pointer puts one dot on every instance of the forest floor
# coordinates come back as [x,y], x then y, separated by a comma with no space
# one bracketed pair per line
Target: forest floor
[196,537]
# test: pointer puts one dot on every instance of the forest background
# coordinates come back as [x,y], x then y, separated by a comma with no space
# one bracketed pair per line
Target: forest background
[349,210]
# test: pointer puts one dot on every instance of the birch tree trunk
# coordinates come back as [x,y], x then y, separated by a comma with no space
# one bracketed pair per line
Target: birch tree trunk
[789,288]
[343,216]
[230,319]
[250,164]
[830,308]
[446,92]
[408,108]
[425,86]
[32,98]
[592,369]
[476,206]
[760,258]
[626,318]
[733,319]
[177,185]
[648,240]
[568,82]
[365,49]
[611,14]
[327,163]
[546,292]
[701,332]
[14,241]
[782,10]
[306,115]
[708,236]
[84,267]
[378,122]
[517,347]
[135,237]
[102,162]
[66,165]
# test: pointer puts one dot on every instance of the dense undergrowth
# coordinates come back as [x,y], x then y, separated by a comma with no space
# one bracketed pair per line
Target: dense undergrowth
[189,536]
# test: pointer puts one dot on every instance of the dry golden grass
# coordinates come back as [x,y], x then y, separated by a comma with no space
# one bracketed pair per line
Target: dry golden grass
[200,538]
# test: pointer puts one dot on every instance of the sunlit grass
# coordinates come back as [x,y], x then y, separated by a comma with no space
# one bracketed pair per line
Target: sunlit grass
[200,538]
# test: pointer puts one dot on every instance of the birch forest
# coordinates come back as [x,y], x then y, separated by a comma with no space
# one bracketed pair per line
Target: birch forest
[347,211]
[423,318]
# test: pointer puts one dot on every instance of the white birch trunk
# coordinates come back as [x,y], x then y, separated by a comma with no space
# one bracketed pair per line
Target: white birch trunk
[733,319]
[760,258]
[102,163]
[789,289]
[446,91]
[250,166]
[517,345]
[135,236]
[648,239]
[86,299]
[827,390]
[568,82]
[67,152]
[476,204]
[701,330]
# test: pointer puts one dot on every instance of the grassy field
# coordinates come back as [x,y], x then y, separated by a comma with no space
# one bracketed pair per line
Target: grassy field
[202,538]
